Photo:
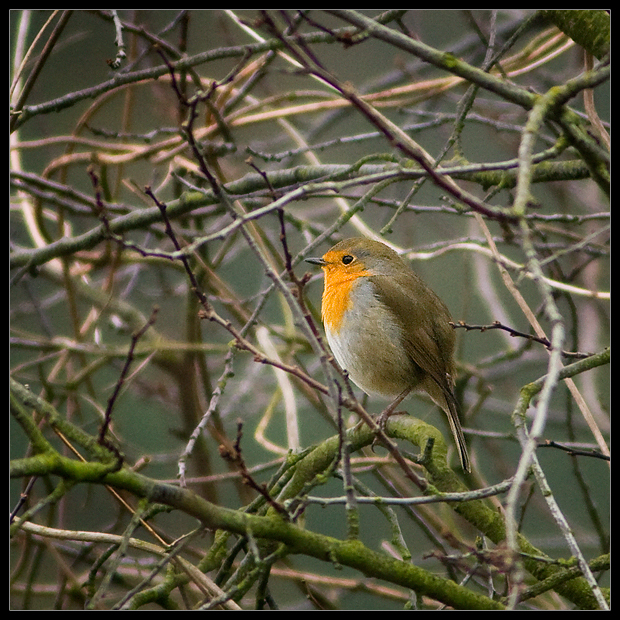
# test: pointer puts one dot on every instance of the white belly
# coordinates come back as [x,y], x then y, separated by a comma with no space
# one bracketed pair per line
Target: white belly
[374,359]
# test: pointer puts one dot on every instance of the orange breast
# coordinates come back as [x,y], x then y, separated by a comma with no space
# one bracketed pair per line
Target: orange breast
[336,295]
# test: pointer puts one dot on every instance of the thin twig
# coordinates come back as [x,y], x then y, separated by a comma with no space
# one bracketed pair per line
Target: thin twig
[121,380]
[233,455]
[515,333]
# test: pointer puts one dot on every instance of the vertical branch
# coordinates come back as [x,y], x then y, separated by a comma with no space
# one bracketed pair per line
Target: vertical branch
[121,54]
[353,520]
[124,372]
[41,59]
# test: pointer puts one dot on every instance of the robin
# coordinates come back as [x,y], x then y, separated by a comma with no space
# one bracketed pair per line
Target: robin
[388,329]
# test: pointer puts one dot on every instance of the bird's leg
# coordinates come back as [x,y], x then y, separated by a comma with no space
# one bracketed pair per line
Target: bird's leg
[387,412]
[390,410]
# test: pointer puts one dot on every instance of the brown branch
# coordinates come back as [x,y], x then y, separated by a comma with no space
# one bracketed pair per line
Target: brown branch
[121,379]
[393,133]
[233,455]
[517,334]
[549,443]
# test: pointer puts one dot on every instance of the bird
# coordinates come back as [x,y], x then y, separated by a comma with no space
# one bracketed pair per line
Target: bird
[388,329]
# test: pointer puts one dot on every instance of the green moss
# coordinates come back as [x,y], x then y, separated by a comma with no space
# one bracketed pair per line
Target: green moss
[590,28]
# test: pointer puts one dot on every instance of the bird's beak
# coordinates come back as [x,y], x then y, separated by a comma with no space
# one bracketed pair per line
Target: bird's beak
[316,261]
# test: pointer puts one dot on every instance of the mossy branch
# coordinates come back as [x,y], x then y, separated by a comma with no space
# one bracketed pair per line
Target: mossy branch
[590,28]
[274,527]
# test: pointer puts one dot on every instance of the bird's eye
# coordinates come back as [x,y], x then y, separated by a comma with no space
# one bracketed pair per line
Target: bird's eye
[347,258]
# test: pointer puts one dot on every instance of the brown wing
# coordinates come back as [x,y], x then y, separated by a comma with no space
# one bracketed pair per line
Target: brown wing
[429,340]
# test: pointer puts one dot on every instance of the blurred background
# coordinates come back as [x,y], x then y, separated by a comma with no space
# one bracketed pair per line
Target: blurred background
[90,138]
